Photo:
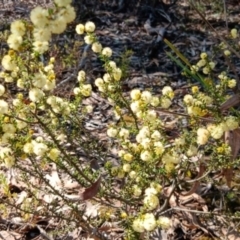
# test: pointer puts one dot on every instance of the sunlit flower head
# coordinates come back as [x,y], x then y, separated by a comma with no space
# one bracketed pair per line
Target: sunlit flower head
[137,191]
[86,90]
[8,128]
[146,97]
[124,133]
[112,132]
[155,101]
[58,25]
[117,74]
[234,33]
[81,76]
[128,157]
[231,123]
[90,27]
[217,131]
[164,222]
[232,83]
[135,106]
[150,191]
[39,148]
[14,41]
[166,103]
[88,39]
[39,80]
[151,201]
[54,154]
[40,47]
[80,29]
[149,222]
[42,34]
[2,89]
[3,107]
[138,226]
[35,94]
[126,167]
[97,47]
[107,52]
[39,17]
[8,63]
[146,155]
[18,28]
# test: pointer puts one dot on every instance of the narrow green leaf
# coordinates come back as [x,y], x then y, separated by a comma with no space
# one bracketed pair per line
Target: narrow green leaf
[177,52]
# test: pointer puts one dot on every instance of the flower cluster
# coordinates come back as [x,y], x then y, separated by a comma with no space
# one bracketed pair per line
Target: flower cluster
[46,23]
[147,155]
[216,131]
[148,222]
[143,100]
[110,81]
[198,103]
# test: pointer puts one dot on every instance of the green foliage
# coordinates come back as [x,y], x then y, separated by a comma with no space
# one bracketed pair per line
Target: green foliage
[44,136]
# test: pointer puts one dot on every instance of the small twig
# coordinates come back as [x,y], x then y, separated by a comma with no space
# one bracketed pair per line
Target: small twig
[189,210]
[43,233]
[164,206]
[197,179]
[225,13]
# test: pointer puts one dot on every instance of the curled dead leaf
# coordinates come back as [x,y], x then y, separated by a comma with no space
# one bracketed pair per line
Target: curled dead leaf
[91,191]
[231,102]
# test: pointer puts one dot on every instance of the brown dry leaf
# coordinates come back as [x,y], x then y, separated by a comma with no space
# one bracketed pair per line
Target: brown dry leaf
[6,235]
[91,191]
[196,184]
[231,235]
[228,174]
[91,210]
[233,139]
[54,179]
[193,221]
[235,142]
[231,102]
[21,197]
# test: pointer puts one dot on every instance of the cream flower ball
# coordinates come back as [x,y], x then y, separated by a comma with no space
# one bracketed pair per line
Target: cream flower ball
[40,47]
[117,74]
[90,27]
[7,63]
[58,25]
[202,136]
[149,222]
[166,103]
[81,76]
[97,47]
[3,107]
[88,39]
[18,28]
[146,97]
[107,52]
[2,89]
[135,94]
[35,94]
[138,226]
[164,222]
[80,29]
[39,17]
[146,156]
[54,154]
[39,148]
[112,132]
[14,41]
[151,201]
[68,13]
